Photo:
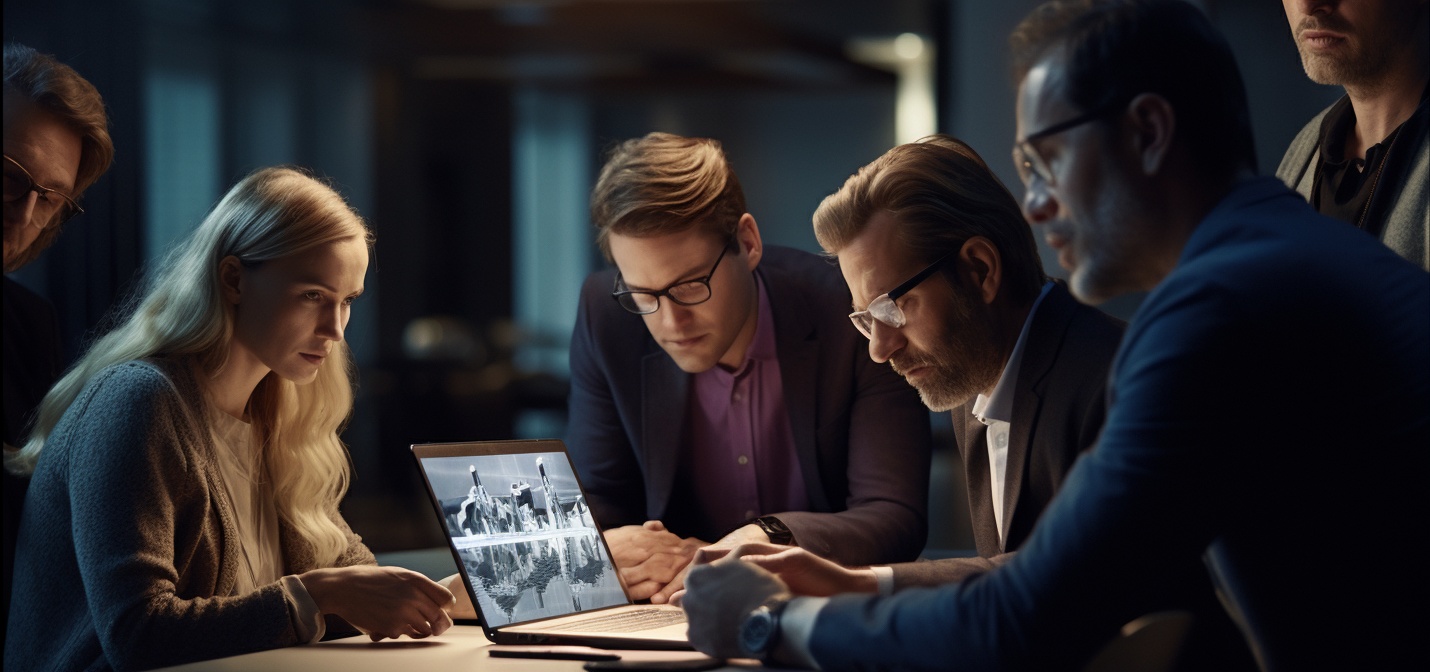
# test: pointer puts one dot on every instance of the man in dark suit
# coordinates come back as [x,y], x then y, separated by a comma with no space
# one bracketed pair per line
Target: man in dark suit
[718,392]
[979,331]
[1222,442]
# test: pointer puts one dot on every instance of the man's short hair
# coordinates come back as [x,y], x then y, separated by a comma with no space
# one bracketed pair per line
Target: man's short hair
[664,183]
[57,89]
[942,194]
[1114,50]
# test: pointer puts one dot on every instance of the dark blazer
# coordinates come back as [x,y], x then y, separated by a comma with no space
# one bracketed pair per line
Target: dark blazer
[1059,403]
[33,361]
[861,432]
[1268,416]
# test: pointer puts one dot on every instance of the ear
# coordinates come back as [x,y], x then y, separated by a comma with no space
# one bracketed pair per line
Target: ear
[982,266]
[1154,123]
[230,279]
[747,235]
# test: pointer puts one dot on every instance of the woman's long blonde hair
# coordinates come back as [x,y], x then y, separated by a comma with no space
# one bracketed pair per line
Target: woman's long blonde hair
[272,213]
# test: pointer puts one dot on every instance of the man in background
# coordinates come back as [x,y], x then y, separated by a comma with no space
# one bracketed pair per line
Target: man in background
[718,392]
[1366,158]
[56,145]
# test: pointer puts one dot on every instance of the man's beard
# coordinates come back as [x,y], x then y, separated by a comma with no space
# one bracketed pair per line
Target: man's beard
[964,361]
[1365,65]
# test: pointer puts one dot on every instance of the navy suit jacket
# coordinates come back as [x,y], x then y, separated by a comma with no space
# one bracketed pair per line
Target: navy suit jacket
[1059,403]
[1270,415]
[861,432]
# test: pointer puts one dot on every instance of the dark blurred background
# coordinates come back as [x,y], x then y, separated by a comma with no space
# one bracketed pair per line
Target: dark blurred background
[469,132]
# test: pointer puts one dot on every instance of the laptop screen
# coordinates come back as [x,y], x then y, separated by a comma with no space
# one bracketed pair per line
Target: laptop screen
[521,530]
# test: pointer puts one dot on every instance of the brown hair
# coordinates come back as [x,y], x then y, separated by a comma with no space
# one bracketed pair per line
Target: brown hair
[57,89]
[942,194]
[664,183]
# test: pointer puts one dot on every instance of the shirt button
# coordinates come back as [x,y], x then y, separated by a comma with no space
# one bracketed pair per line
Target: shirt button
[1002,440]
[742,459]
[738,396]
[749,515]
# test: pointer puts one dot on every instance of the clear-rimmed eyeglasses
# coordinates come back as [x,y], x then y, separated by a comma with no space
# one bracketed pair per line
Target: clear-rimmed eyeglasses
[685,292]
[1026,157]
[883,308]
[53,207]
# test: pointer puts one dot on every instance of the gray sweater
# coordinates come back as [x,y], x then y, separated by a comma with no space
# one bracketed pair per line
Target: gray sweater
[1407,220]
[128,550]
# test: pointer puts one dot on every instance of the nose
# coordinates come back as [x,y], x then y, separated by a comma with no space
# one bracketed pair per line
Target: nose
[22,210]
[671,314]
[885,342]
[1039,206]
[333,322]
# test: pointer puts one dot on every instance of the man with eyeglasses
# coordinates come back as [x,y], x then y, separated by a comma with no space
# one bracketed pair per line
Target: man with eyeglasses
[718,393]
[1267,406]
[953,296]
[56,145]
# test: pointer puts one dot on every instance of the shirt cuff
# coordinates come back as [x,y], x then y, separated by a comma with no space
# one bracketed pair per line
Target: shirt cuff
[796,627]
[303,611]
[884,577]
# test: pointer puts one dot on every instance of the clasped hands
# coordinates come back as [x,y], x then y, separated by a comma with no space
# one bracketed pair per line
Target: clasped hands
[724,585]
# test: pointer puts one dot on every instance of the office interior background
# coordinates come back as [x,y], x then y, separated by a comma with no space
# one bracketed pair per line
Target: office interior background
[469,133]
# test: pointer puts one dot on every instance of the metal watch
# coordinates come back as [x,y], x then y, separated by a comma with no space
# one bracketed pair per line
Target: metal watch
[760,631]
[775,529]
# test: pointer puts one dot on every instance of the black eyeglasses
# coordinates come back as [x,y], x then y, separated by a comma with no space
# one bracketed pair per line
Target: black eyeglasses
[883,308]
[48,211]
[1026,157]
[685,292]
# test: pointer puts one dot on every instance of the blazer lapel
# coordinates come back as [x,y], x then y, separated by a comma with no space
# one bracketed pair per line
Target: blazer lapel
[664,391]
[1045,337]
[797,346]
[973,445]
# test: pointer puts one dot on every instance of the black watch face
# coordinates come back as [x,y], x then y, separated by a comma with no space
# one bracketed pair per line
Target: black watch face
[756,631]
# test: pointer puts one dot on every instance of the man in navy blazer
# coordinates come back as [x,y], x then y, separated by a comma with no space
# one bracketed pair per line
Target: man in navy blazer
[718,393]
[1267,407]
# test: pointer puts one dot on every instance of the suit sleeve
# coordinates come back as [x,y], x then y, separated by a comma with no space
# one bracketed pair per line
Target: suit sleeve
[597,438]
[885,516]
[1131,513]
[944,571]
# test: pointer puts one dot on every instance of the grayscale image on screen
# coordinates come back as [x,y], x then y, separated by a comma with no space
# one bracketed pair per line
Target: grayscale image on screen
[526,538]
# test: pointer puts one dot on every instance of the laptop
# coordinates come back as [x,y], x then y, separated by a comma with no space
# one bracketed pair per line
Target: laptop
[530,552]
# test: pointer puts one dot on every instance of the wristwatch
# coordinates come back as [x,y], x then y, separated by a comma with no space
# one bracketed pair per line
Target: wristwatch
[775,530]
[760,631]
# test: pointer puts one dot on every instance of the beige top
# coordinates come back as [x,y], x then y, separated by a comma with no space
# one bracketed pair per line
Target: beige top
[250,494]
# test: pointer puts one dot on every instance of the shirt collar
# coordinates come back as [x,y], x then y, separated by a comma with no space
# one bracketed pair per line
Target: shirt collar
[762,346]
[999,405]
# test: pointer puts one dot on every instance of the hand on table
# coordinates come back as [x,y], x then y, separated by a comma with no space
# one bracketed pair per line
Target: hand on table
[463,607]
[804,573]
[748,534]
[719,595]
[649,557]
[382,602]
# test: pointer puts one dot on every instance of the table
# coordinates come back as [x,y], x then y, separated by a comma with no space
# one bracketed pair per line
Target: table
[463,647]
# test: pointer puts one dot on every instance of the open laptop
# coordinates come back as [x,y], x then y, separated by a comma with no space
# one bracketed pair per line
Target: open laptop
[529,551]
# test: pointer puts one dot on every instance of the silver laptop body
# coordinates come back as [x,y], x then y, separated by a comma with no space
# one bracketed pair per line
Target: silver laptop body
[529,550]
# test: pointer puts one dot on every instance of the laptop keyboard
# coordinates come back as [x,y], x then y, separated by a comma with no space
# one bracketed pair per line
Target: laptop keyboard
[634,620]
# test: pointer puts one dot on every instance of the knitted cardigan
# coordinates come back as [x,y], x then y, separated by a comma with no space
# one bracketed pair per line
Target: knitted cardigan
[128,548]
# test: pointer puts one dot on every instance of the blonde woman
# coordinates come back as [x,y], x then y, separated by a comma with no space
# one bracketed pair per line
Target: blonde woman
[187,470]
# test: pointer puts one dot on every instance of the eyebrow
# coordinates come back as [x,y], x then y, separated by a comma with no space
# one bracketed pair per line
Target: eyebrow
[326,286]
[688,276]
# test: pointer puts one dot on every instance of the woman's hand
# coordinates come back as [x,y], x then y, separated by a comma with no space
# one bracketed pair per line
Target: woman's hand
[382,602]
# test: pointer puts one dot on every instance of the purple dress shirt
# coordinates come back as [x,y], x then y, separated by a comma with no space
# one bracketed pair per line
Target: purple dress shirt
[740,460]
